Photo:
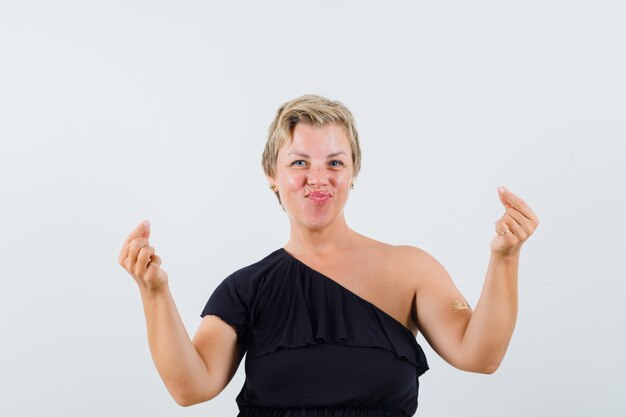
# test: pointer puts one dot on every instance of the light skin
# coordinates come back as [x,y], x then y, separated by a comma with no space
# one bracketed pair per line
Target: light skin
[319,159]
[475,340]
[472,340]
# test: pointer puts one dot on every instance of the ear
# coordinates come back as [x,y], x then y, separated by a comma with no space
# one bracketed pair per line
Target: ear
[270,180]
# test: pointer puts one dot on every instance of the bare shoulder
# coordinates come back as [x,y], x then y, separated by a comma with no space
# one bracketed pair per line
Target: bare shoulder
[417,265]
[382,253]
[410,257]
[412,263]
[405,256]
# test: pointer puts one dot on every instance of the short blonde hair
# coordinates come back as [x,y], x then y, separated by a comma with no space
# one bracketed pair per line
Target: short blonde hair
[316,111]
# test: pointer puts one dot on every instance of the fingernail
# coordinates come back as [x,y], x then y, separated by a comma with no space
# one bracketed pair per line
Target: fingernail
[146,224]
[501,189]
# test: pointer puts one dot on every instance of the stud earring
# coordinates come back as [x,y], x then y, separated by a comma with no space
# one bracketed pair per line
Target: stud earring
[352,186]
[273,187]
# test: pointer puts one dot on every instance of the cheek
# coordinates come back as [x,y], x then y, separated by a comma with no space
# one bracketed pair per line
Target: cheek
[343,179]
[294,181]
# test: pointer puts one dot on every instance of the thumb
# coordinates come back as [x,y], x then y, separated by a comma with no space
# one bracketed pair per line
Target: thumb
[141,230]
[502,195]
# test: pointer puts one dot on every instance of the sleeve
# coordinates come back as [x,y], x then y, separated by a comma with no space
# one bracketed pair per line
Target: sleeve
[231,302]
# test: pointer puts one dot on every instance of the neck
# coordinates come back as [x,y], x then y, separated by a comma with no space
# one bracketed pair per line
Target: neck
[320,242]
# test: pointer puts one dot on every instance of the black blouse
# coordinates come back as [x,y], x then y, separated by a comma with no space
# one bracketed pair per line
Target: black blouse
[314,348]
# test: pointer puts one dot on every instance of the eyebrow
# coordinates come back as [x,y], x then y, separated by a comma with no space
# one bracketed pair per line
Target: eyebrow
[307,156]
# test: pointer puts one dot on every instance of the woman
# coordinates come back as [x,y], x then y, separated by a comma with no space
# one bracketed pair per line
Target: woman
[329,321]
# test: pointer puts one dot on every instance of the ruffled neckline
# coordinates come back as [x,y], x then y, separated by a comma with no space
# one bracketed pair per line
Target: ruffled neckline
[284,252]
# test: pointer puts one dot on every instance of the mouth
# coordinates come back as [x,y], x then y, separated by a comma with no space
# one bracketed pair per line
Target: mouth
[318,197]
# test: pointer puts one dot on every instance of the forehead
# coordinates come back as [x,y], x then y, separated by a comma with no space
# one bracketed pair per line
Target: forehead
[311,139]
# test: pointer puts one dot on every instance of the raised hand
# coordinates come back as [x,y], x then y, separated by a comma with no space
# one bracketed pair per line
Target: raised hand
[139,259]
[515,226]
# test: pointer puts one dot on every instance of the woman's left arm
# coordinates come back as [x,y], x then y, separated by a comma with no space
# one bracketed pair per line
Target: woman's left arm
[477,340]
[491,325]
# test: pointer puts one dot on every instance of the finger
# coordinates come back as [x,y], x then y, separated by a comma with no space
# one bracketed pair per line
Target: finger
[524,223]
[123,254]
[156,260]
[515,228]
[143,258]
[501,226]
[509,199]
[503,230]
[525,209]
[502,194]
[142,230]
[516,215]
[135,247]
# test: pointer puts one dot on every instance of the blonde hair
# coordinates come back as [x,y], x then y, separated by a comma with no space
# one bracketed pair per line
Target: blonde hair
[316,111]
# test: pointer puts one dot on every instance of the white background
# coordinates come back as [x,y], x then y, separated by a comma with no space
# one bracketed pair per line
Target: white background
[112,112]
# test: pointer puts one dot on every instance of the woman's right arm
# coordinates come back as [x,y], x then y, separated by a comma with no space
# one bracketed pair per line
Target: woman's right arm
[193,372]
[178,362]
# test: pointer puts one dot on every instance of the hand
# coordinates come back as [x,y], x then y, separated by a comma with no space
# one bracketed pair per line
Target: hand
[518,219]
[139,259]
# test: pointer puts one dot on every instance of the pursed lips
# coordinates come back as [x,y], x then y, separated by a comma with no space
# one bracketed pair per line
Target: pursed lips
[318,196]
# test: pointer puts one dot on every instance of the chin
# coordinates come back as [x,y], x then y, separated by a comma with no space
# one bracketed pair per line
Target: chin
[313,222]
[318,222]
[314,217]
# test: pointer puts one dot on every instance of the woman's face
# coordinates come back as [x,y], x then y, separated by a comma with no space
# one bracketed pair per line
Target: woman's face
[314,173]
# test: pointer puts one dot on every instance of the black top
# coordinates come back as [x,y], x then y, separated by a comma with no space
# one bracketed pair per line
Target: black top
[314,348]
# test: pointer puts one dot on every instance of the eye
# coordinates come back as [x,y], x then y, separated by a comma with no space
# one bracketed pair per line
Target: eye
[338,163]
[296,163]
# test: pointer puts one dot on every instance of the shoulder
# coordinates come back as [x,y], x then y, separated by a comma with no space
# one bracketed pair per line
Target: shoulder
[411,267]
[417,266]
[406,256]
[252,273]
[411,255]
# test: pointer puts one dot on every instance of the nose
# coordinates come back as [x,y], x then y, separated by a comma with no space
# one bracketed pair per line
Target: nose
[317,176]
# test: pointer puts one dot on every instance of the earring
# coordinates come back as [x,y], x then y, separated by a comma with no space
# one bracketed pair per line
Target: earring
[273,187]
[352,186]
